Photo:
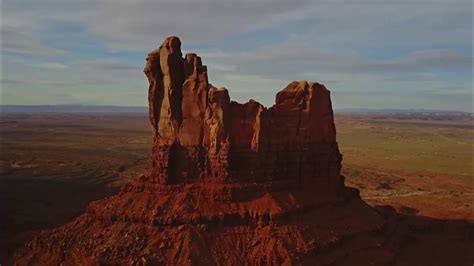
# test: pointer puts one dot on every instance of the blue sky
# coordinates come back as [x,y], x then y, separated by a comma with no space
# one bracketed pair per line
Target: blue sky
[370,54]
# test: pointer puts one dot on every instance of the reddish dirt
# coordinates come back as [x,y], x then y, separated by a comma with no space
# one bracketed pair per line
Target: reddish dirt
[239,184]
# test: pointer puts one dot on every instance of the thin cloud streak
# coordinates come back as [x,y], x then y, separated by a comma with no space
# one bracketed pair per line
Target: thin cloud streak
[90,49]
[16,42]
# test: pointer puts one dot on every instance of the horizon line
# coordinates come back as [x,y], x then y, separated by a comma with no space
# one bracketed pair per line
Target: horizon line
[357,109]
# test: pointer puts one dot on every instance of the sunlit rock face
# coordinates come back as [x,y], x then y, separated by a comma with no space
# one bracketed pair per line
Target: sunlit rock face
[200,135]
[230,184]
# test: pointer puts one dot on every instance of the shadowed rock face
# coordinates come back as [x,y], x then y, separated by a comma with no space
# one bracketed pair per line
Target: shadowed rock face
[200,135]
[234,184]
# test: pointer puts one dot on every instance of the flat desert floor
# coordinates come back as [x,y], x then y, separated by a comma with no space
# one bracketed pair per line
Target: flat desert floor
[53,165]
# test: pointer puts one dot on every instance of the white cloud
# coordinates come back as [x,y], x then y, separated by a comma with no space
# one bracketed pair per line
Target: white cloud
[141,24]
[52,65]
[293,59]
[16,42]
[252,47]
[135,25]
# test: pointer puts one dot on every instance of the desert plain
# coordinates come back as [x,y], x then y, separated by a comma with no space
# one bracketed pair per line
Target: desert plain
[54,164]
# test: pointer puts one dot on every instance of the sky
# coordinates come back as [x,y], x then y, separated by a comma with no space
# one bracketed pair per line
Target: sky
[404,54]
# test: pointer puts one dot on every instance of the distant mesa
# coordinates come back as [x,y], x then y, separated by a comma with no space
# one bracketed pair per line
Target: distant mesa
[230,184]
[71,108]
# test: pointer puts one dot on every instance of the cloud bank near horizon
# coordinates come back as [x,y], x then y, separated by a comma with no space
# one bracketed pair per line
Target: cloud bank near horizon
[371,53]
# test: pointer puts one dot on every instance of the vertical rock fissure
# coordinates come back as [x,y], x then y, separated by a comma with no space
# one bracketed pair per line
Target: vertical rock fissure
[200,134]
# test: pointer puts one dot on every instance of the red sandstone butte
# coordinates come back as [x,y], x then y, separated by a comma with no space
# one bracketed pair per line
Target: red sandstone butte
[231,184]
[200,135]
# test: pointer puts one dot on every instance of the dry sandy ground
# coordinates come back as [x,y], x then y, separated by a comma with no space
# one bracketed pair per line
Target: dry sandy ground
[53,165]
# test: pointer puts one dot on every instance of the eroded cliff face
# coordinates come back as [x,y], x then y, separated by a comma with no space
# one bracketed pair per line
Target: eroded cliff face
[235,184]
[188,117]
[201,136]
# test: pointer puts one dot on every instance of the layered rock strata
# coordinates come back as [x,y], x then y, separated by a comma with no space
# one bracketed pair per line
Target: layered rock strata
[232,184]
[200,135]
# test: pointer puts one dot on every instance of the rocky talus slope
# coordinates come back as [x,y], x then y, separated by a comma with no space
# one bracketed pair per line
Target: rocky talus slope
[240,184]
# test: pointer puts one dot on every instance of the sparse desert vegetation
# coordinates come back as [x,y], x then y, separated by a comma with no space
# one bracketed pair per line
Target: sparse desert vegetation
[425,166]
[53,165]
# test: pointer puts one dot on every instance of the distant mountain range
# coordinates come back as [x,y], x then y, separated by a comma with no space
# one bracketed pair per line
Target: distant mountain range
[77,108]
[72,109]
[399,111]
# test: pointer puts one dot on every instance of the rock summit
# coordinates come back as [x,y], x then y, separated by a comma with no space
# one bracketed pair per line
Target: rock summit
[230,184]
